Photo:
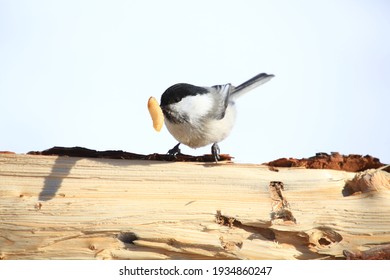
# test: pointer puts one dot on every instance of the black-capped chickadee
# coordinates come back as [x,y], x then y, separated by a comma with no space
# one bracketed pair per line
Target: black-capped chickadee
[199,116]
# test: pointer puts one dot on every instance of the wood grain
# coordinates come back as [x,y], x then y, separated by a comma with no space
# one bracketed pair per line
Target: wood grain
[75,208]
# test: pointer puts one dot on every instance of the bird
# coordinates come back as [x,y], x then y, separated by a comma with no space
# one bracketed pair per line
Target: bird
[198,116]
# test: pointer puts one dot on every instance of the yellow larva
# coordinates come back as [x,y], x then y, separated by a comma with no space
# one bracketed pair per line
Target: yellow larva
[156,113]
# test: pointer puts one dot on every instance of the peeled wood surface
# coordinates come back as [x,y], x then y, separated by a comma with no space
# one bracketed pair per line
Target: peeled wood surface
[75,208]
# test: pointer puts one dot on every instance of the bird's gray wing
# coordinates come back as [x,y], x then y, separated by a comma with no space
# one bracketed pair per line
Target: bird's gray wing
[222,98]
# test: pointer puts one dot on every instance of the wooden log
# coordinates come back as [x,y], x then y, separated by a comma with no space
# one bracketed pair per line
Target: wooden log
[75,208]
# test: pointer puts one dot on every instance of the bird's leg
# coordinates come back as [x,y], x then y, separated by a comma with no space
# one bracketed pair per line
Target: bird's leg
[215,152]
[174,151]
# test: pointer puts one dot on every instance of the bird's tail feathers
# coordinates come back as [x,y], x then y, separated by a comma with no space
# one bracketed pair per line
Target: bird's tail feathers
[251,84]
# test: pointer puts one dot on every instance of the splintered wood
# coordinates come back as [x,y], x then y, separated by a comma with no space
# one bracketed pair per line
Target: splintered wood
[368,181]
[76,208]
[280,207]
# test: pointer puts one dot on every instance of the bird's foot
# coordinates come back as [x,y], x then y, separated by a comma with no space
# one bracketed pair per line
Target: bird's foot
[215,152]
[174,151]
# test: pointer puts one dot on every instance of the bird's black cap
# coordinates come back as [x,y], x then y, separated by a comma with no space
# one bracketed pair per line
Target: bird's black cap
[177,92]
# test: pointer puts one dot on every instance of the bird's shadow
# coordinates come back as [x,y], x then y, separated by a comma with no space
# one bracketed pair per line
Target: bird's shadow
[60,170]
[68,157]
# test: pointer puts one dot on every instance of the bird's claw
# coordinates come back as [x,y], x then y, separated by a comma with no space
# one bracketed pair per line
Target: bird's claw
[174,151]
[215,152]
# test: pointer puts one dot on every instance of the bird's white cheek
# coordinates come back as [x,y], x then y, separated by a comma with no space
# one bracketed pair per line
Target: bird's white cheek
[195,107]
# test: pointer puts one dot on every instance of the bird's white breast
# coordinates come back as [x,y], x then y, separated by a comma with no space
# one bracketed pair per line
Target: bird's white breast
[200,131]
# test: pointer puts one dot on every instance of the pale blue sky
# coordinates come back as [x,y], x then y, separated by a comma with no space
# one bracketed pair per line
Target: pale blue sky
[79,73]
